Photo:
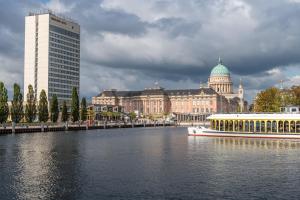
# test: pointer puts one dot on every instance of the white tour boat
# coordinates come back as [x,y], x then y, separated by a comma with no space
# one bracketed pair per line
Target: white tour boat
[262,125]
[202,131]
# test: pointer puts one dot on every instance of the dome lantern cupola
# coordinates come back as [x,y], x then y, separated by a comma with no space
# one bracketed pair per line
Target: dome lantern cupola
[220,70]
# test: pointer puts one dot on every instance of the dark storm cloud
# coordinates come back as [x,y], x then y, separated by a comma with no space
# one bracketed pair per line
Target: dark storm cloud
[172,41]
[93,18]
[177,26]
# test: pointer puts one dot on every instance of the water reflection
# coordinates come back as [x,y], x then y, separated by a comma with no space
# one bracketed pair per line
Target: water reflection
[244,143]
[42,163]
[157,163]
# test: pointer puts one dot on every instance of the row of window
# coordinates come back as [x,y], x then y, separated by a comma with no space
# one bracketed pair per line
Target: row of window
[55,90]
[64,47]
[63,76]
[202,102]
[64,52]
[63,57]
[59,66]
[63,37]
[64,32]
[64,72]
[65,96]
[202,110]
[63,42]
[63,62]
[54,80]
[184,98]
[69,87]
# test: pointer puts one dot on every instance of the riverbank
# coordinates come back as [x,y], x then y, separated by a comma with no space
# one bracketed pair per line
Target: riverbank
[76,127]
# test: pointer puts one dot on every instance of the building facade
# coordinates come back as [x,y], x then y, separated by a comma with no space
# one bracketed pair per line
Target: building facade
[52,55]
[216,97]
[220,81]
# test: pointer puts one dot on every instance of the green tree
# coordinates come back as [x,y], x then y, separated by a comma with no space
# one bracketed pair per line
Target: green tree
[30,109]
[75,105]
[296,93]
[269,100]
[132,115]
[64,112]
[251,107]
[116,115]
[4,110]
[17,105]
[109,115]
[54,110]
[83,111]
[43,107]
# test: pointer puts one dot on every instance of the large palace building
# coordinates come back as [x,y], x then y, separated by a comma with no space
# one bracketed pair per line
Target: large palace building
[218,96]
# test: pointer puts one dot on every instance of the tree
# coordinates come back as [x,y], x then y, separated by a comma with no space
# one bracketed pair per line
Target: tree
[75,105]
[269,100]
[116,115]
[43,107]
[251,107]
[296,93]
[132,115]
[54,110]
[17,105]
[4,110]
[64,112]
[30,109]
[83,111]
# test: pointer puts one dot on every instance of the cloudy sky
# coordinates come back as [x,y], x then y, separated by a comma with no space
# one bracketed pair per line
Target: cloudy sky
[130,44]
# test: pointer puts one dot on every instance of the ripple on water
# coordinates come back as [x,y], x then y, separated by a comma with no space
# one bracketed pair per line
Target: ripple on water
[146,163]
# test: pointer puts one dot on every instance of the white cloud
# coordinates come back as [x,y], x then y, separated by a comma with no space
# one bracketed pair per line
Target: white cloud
[58,6]
[129,44]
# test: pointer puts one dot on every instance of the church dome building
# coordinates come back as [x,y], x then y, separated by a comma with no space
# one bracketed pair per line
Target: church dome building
[220,80]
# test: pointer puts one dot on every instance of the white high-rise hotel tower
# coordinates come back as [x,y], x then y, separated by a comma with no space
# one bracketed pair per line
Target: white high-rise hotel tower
[52,55]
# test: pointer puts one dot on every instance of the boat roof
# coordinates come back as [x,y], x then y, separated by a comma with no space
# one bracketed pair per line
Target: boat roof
[261,116]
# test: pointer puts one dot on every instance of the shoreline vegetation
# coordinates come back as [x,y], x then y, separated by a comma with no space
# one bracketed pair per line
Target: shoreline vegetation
[36,110]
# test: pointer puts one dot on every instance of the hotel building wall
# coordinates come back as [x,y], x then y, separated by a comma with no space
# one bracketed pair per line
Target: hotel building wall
[52,55]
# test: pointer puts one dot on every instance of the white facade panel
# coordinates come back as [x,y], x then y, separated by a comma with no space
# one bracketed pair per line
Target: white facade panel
[43,53]
[29,53]
[52,55]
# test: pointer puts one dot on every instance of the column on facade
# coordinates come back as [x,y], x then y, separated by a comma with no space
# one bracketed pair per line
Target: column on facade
[271,124]
[260,126]
[266,126]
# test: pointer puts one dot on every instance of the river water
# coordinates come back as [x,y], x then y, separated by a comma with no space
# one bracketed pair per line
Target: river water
[146,163]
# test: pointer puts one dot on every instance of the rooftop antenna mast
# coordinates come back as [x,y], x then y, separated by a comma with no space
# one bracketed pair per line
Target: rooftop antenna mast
[281,84]
[220,60]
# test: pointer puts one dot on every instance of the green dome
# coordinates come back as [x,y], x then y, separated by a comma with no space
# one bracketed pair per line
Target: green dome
[220,70]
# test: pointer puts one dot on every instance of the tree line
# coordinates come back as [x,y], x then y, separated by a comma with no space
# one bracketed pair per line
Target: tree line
[39,109]
[271,99]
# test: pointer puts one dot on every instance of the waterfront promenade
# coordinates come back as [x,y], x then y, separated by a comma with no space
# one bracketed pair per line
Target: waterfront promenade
[25,128]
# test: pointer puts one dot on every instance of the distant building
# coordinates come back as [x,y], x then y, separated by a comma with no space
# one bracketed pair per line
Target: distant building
[98,111]
[52,55]
[218,96]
